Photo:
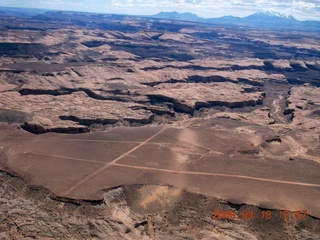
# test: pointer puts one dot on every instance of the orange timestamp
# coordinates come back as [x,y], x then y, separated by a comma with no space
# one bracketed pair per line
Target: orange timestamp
[263,214]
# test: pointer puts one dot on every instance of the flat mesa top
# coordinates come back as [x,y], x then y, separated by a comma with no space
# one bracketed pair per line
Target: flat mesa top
[204,160]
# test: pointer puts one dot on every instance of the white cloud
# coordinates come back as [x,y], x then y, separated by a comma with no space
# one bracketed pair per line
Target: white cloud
[304,5]
[54,2]
[207,8]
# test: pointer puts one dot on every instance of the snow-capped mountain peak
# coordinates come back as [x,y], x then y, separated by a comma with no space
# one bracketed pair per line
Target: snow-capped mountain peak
[270,16]
[273,14]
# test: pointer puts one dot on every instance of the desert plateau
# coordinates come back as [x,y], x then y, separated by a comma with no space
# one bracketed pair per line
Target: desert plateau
[142,127]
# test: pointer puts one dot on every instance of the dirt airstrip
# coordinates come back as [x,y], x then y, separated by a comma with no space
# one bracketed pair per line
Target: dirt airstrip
[213,162]
[123,127]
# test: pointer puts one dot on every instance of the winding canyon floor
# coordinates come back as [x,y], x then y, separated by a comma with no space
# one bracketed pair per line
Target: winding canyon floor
[118,127]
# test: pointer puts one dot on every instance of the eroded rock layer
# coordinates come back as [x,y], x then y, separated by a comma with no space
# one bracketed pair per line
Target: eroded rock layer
[171,120]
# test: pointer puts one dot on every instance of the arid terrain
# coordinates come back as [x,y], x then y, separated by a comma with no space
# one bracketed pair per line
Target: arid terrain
[122,127]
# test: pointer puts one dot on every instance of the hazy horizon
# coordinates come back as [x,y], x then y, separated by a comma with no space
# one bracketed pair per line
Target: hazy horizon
[301,10]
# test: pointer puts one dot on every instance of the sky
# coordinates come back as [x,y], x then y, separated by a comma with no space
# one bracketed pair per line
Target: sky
[300,9]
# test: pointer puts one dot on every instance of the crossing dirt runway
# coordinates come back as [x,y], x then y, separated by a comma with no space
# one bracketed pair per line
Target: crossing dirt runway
[200,160]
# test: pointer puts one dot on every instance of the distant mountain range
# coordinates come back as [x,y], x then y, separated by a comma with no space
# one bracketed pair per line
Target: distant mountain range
[178,16]
[21,12]
[269,19]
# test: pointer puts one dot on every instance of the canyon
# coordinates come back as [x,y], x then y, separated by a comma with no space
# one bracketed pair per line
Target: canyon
[128,127]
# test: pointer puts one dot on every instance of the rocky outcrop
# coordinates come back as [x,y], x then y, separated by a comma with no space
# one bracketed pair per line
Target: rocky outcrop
[60,218]
[278,66]
[88,122]
[273,138]
[40,125]
[218,78]
[155,109]
[303,106]
[73,112]
[171,103]
[242,104]
[209,79]
[299,66]
[188,97]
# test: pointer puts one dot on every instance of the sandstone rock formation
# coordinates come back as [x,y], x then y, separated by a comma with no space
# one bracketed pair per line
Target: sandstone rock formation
[179,119]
